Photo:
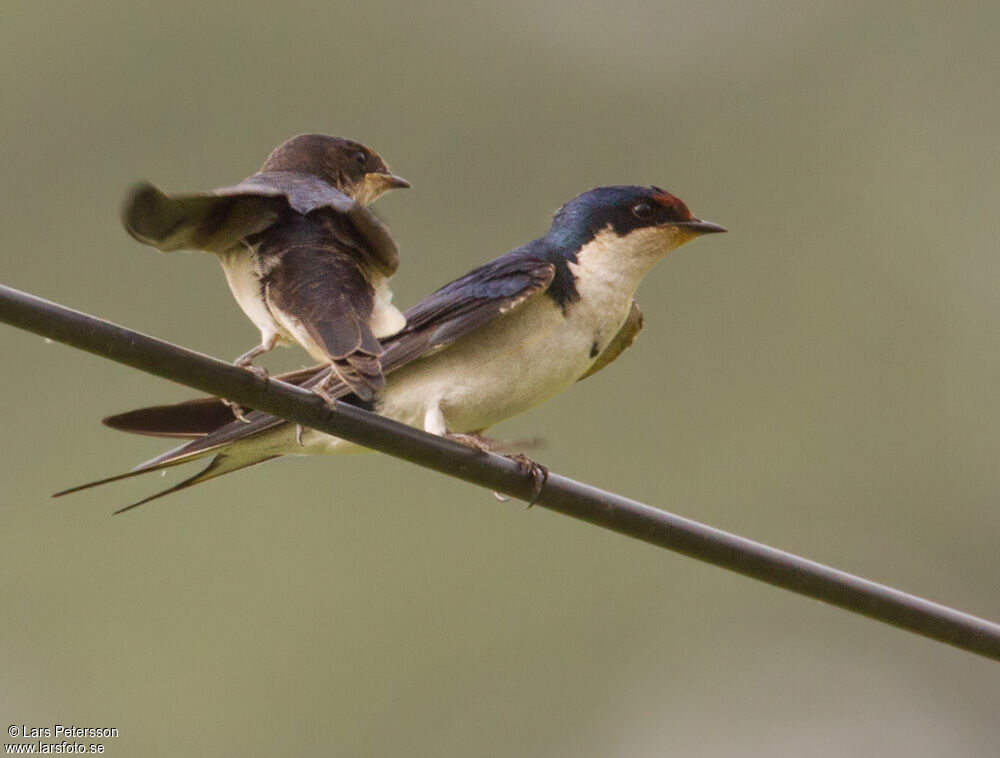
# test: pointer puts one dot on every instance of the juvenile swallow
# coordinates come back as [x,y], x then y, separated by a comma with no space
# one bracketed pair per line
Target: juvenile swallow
[503,338]
[304,257]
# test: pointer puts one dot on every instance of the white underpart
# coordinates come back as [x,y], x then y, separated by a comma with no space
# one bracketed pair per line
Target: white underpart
[243,276]
[386,319]
[242,270]
[519,360]
[434,420]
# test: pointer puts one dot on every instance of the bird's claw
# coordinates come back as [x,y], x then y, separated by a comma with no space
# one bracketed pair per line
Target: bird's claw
[238,410]
[539,474]
[330,400]
[475,441]
[259,371]
[507,448]
[245,361]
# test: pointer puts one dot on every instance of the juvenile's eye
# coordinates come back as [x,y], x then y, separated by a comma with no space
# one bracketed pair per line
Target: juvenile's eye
[360,157]
[643,211]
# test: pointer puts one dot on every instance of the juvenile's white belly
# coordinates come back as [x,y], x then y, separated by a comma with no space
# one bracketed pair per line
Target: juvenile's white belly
[386,319]
[243,277]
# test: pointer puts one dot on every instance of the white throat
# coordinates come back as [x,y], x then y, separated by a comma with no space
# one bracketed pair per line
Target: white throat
[610,267]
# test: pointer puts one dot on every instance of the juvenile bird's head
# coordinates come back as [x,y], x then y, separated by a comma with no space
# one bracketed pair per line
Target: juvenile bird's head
[618,234]
[353,168]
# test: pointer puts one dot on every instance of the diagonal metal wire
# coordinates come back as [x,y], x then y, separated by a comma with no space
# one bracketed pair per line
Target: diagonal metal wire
[559,494]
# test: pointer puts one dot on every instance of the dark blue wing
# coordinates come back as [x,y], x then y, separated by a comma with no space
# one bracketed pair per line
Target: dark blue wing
[469,303]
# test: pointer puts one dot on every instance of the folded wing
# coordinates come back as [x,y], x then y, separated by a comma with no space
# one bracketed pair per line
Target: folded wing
[323,298]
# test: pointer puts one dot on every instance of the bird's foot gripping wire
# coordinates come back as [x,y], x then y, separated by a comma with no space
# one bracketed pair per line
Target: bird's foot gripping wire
[259,371]
[238,410]
[508,448]
[320,389]
[538,473]
[245,362]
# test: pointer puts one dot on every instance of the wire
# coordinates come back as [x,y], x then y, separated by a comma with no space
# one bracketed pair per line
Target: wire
[497,473]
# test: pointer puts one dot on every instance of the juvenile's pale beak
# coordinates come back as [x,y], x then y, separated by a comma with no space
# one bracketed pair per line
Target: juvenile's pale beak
[700,226]
[376,183]
[386,181]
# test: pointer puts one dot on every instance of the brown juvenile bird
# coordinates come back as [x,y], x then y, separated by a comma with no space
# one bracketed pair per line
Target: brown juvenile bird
[304,257]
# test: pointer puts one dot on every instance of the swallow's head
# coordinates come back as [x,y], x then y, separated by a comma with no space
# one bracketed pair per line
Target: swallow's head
[633,224]
[353,168]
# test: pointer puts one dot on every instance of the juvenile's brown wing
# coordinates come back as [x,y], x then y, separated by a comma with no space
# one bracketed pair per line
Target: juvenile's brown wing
[321,290]
[221,220]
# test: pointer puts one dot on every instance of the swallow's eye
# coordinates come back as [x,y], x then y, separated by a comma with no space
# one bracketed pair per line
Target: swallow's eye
[642,211]
[360,157]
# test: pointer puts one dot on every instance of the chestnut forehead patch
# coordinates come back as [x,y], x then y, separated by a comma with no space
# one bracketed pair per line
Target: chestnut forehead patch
[678,209]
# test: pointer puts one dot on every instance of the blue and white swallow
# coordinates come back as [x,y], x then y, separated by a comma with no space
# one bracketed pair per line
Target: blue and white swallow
[504,338]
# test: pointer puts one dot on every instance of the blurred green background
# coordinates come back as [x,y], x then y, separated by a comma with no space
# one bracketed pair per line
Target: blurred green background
[823,379]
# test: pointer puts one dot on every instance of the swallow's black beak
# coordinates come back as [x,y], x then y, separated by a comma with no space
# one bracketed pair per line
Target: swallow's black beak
[700,226]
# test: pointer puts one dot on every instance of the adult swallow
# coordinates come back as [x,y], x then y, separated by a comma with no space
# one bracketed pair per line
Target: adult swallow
[304,257]
[503,338]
